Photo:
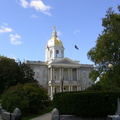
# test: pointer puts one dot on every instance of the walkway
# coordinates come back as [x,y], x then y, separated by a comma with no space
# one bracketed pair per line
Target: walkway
[0,117]
[46,116]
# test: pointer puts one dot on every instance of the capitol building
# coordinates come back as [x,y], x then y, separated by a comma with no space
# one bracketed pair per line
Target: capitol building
[58,73]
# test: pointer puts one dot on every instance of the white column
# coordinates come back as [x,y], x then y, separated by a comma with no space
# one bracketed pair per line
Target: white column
[53,77]
[48,77]
[60,87]
[68,74]
[51,91]
[71,75]
[69,88]
[60,74]
[77,74]
[51,73]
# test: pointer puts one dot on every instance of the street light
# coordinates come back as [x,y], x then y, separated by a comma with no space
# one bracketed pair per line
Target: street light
[62,79]
[110,66]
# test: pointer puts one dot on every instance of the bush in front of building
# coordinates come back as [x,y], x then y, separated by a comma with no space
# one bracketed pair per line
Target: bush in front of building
[15,97]
[38,98]
[87,103]
[29,98]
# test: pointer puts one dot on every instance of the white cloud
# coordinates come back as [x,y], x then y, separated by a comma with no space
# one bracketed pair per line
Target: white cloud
[24,3]
[40,6]
[5,29]
[14,39]
[36,4]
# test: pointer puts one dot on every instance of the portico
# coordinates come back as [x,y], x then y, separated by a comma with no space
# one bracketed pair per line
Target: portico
[68,73]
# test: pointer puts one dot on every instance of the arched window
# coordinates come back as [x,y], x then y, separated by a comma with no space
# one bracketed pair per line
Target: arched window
[51,54]
[57,53]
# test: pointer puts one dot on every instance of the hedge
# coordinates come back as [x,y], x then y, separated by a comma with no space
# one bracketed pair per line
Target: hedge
[86,104]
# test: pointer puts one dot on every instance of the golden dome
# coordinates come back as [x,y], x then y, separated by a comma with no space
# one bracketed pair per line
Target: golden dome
[54,41]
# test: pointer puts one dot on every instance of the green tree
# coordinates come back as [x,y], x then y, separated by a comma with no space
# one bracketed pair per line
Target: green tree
[37,97]
[12,73]
[107,50]
[15,97]
[29,98]
[26,73]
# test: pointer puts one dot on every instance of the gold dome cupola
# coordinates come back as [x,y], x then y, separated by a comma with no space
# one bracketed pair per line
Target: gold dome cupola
[54,47]
[54,40]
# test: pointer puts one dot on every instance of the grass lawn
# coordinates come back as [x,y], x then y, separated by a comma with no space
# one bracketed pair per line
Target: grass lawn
[36,115]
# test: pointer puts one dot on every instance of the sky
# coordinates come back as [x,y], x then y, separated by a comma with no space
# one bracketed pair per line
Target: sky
[27,25]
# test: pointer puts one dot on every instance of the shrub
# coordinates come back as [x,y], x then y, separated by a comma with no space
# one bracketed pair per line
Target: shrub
[37,97]
[29,98]
[13,98]
[86,104]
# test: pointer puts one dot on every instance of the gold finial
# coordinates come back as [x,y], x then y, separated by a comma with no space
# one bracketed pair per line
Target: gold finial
[54,34]
[54,28]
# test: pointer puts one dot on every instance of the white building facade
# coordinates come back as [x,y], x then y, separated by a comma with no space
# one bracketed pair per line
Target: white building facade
[58,73]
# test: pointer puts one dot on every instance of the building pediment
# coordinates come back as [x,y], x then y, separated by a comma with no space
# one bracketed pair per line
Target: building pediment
[65,62]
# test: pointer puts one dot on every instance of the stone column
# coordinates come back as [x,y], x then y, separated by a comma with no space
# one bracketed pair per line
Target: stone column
[48,75]
[71,75]
[51,91]
[60,76]
[77,74]
[69,88]
[51,74]
[62,72]
[68,74]
[60,87]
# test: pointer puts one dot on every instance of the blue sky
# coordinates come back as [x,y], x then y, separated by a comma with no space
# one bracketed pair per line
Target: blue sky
[27,25]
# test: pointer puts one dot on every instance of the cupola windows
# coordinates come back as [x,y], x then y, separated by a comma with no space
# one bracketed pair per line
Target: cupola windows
[54,48]
[57,53]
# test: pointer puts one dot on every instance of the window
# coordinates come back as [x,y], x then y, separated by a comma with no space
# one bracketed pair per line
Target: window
[74,74]
[57,53]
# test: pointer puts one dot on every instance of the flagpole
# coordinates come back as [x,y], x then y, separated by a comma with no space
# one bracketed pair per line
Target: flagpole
[74,55]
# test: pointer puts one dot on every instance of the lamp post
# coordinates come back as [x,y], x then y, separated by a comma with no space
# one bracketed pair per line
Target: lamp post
[110,66]
[62,79]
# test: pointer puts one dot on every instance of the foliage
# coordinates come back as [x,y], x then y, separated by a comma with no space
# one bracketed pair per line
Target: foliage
[87,103]
[95,87]
[29,98]
[93,75]
[107,50]
[12,73]
[38,98]
[15,97]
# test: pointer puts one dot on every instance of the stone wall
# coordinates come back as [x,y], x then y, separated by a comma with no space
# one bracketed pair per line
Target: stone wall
[57,116]
[16,115]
